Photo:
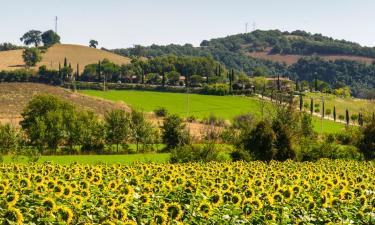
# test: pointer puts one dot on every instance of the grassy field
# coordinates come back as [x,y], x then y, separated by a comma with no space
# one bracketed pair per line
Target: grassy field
[94,159]
[11,60]
[354,105]
[200,106]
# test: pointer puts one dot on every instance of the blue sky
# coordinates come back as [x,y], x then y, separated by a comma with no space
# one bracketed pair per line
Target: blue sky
[123,23]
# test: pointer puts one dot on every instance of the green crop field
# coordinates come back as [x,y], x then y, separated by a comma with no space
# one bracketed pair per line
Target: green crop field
[94,159]
[200,106]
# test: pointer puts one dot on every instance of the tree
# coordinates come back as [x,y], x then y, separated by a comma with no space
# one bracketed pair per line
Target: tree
[50,38]
[347,118]
[367,143]
[32,37]
[174,132]
[9,139]
[300,102]
[354,117]
[334,113]
[142,131]
[31,56]
[311,106]
[93,43]
[44,121]
[117,126]
[259,141]
[307,128]
[328,112]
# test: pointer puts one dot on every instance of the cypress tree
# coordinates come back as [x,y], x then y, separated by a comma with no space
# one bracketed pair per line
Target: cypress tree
[297,86]
[65,62]
[264,90]
[60,74]
[143,77]
[99,71]
[77,70]
[316,83]
[312,106]
[360,119]
[334,113]
[323,112]
[347,117]
[300,102]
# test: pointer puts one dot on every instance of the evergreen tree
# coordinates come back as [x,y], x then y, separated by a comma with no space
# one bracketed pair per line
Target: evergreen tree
[300,102]
[323,112]
[347,117]
[278,82]
[334,113]
[311,106]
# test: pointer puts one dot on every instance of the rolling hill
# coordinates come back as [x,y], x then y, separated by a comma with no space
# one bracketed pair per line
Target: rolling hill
[11,60]
[298,55]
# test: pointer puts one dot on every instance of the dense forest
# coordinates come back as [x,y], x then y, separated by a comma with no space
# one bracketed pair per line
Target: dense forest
[232,52]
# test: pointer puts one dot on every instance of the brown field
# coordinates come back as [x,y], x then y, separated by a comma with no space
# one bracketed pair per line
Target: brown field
[11,60]
[291,59]
[15,96]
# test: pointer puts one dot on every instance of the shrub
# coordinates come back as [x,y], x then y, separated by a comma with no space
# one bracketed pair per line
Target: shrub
[367,142]
[161,112]
[194,153]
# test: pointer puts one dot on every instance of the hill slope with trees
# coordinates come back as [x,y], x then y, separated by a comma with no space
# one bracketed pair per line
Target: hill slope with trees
[298,55]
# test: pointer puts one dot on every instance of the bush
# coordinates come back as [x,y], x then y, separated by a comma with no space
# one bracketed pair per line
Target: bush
[161,112]
[217,89]
[214,120]
[367,142]
[331,151]
[193,153]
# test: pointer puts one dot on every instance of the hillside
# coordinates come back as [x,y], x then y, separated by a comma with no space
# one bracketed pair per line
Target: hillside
[15,96]
[11,60]
[298,55]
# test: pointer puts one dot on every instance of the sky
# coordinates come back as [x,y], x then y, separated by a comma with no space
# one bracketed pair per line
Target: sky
[125,23]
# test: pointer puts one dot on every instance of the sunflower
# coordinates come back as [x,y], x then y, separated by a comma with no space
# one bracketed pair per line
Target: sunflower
[12,198]
[24,184]
[58,190]
[129,222]
[77,201]
[119,213]
[247,208]
[159,219]
[256,203]
[67,192]
[270,216]
[236,199]
[49,204]
[174,211]
[14,215]
[205,209]
[64,214]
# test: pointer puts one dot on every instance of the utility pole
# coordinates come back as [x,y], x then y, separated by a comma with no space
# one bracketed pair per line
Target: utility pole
[56,24]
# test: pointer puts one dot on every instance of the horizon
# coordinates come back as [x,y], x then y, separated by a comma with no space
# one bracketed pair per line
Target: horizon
[117,24]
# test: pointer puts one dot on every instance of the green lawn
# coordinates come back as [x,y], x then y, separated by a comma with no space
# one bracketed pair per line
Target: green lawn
[200,106]
[94,159]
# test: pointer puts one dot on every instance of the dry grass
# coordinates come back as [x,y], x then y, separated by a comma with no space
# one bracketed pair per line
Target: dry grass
[291,59]
[15,96]
[11,60]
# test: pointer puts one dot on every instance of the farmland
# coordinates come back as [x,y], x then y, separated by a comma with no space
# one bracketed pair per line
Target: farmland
[11,60]
[325,192]
[200,106]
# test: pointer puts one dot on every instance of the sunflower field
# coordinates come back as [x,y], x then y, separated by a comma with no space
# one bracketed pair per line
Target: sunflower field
[324,192]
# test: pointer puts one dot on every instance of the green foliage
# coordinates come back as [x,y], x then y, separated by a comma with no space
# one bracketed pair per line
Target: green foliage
[259,141]
[93,43]
[45,120]
[6,46]
[217,89]
[367,142]
[117,124]
[174,132]
[142,131]
[32,37]
[161,112]
[197,153]
[50,38]
[10,139]
[31,56]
